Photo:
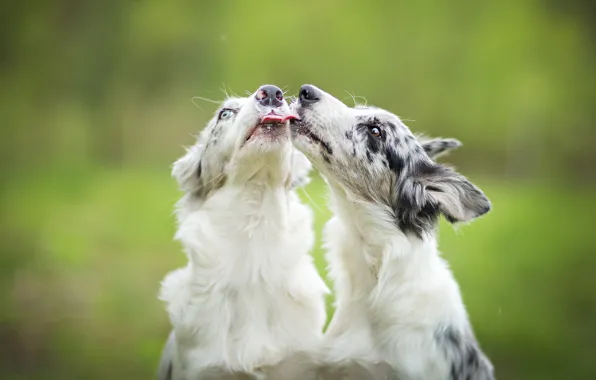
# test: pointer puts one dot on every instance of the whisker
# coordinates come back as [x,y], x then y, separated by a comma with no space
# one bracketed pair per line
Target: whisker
[352,97]
[195,98]
[311,201]
[228,92]
[224,89]
[214,179]
[355,97]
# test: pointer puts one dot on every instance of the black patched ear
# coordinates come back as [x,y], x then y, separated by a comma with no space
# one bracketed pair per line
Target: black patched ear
[458,199]
[187,170]
[437,147]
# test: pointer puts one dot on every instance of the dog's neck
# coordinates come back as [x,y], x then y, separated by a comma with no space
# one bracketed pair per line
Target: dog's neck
[265,168]
[385,280]
[250,284]
[366,239]
[246,227]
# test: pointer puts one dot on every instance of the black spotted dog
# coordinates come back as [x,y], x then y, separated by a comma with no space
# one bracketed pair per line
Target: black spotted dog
[400,314]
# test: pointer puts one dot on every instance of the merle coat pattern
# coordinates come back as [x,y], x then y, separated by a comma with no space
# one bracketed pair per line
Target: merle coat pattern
[399,310]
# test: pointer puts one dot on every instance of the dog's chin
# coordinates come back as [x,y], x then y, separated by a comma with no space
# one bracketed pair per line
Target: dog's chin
[267,139]
[269,133]
[306,145]
[307,141]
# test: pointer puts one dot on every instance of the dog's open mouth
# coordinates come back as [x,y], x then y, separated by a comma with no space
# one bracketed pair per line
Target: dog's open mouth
[271,124]
[299,128]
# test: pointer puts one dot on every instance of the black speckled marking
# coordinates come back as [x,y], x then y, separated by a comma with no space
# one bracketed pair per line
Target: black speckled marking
[394,160]
[467,362]
[414,211]
[414,217]
[391,126]
[373,144]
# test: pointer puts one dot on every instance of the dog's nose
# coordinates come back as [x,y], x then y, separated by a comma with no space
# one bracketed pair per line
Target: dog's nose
[269,95]
[309,94]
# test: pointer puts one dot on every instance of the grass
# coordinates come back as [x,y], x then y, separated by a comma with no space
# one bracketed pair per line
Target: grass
[86,254]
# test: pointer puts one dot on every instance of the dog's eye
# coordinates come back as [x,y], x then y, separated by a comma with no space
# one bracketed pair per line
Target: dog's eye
[226,113]
[375,131]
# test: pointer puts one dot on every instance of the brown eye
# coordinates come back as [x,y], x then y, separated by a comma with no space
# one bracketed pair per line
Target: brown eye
[375,131]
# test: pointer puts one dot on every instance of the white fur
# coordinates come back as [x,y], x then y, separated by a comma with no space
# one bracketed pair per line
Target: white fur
[399,313]
[392,292]
[250,295]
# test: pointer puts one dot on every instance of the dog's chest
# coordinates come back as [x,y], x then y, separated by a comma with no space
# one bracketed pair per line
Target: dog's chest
[252,294]
[255,326]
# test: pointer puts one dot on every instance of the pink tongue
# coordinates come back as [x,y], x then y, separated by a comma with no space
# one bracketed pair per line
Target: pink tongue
[272,118]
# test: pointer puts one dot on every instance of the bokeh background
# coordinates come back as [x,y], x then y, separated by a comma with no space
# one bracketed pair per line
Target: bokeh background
[95,104]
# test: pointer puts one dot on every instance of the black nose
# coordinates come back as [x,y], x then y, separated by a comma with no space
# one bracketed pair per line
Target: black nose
[309,93]
[269,95]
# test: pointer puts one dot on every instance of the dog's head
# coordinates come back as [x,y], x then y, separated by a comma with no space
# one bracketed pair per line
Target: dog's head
[245,136]
[373,155]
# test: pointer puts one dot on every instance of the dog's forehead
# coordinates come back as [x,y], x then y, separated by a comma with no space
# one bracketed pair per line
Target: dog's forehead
[379,114]
[233,103]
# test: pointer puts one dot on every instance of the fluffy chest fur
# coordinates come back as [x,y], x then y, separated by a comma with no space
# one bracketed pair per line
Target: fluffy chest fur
[399,311]
[250,295]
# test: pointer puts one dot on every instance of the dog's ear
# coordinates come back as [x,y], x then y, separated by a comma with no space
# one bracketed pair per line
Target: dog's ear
[301,168]
[437,147]
[457,198]
[187,170]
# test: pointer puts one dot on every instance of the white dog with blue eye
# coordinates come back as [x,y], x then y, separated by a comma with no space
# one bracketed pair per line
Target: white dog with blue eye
[250,296]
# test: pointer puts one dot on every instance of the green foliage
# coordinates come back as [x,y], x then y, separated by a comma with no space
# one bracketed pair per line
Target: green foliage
[95,104]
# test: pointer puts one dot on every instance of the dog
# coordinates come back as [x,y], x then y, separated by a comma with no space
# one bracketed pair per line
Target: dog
[313,365]
[399,312]
[250,296]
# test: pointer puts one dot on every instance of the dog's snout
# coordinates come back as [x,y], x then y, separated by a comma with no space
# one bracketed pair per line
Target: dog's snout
[309,93]
[269,95]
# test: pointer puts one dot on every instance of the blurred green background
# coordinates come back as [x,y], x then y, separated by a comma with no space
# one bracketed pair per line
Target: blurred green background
[95,104]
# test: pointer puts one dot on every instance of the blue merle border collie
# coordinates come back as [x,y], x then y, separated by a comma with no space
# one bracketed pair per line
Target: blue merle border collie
[399,312]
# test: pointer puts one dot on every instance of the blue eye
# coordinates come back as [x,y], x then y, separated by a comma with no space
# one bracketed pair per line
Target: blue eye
[225,114]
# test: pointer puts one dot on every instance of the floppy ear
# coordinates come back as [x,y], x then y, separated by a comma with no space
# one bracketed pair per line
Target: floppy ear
[187,170]
[301,168]
[458,199]
[437,147]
